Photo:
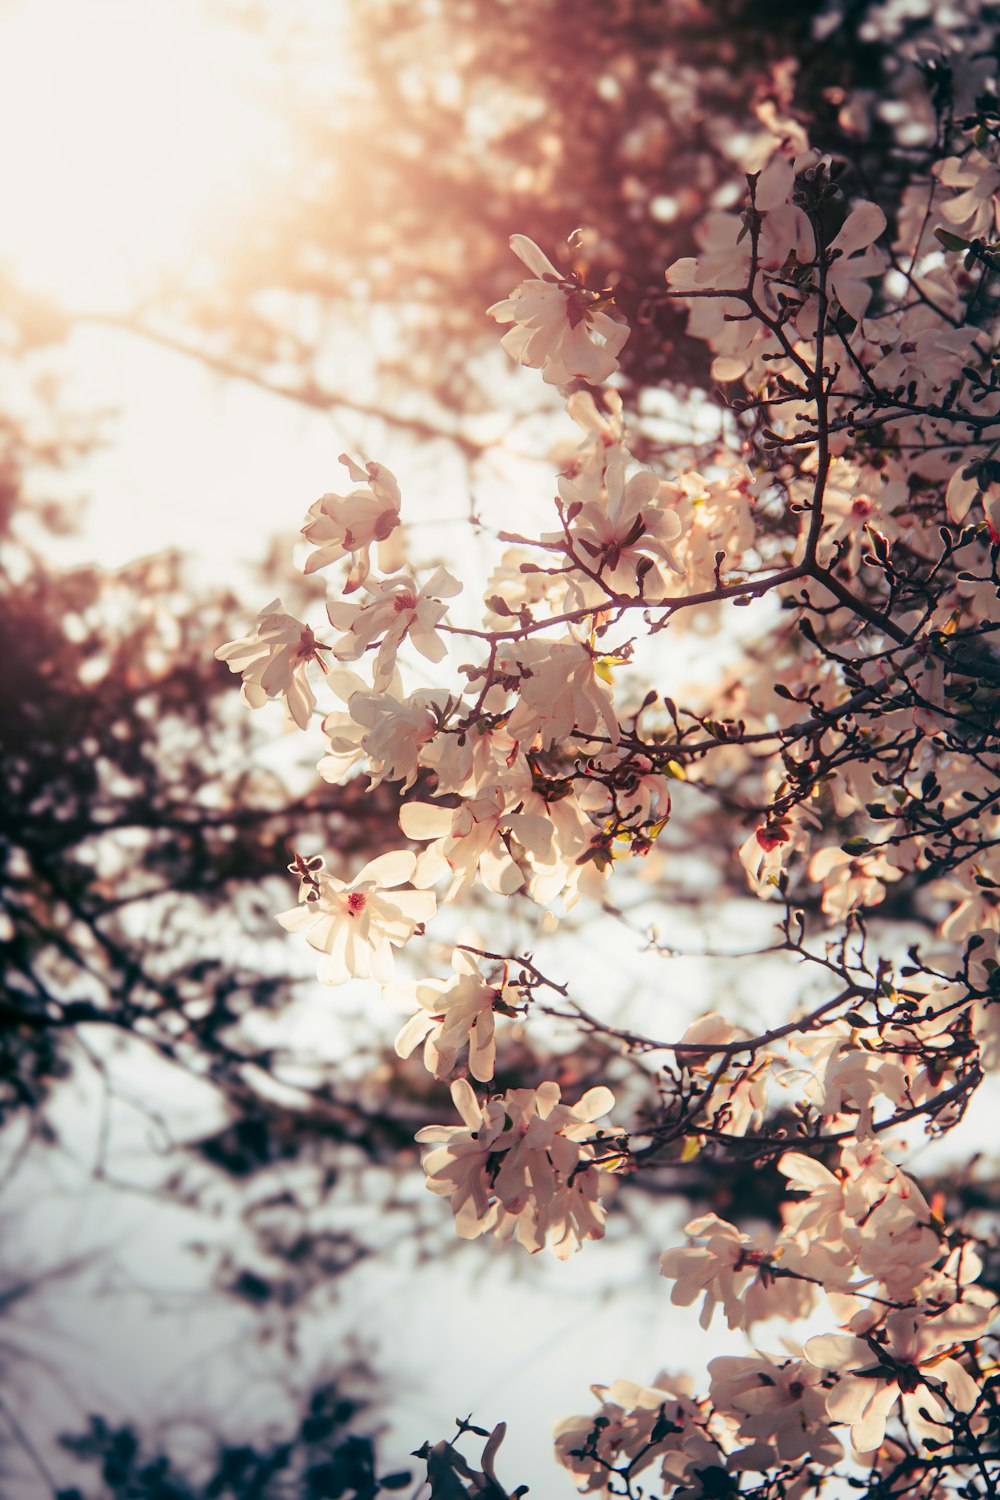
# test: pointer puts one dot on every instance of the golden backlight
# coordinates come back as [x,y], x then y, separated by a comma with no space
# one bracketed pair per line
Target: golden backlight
[127,129]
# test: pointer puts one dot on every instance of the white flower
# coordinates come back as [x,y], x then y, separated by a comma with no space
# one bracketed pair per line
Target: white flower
[274,661]
[355,927]
[858,260]
[347,525]
[560,692]
[728,1268]
[474,838]
[973,211]
[386,727]
[396,609]
[520,1165]
[779,1403]
[455,1012]
[910,1362]
[617,532]
[559,327]
[634,1426]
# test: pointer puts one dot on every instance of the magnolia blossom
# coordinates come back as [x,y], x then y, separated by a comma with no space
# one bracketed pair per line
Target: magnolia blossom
[634,1426]
[355,927]
[780,1405]
[559,692]
[392,731]
[454,1013]
[973,210]
[397,608]
[348,525]
[727,1267]
[521,1164]
[474,838]
[909,1361]
[559,327]
[627,535]
[851,881]
[274,661]
[857,260]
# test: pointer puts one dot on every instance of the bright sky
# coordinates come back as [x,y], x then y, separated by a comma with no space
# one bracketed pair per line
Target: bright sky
[125,127]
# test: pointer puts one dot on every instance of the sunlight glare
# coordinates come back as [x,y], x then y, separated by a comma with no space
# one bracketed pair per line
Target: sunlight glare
[125,129]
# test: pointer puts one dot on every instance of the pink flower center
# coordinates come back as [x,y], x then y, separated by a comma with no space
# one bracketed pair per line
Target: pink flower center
[404,601]
[861,507]
[356,903]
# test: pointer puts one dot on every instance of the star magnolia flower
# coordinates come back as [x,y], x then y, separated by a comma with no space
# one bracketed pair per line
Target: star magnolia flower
[559,327]
[455,1012]
[396,609]
[473,839]
[912,1365]
[858,260]
[728,1268]
[386,727]
[347,525]
[635,1425]
[520,1165]
[615,535]
[559,693]
[355,927]
[780,1404]
[274,661]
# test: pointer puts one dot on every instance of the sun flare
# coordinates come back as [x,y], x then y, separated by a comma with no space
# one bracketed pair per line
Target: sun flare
[126,129]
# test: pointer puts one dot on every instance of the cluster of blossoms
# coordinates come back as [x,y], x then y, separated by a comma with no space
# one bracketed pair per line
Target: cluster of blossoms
[857,735]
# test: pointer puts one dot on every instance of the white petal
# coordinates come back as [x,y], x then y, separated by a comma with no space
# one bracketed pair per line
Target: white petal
[864,223]
[536,262]
[390,869]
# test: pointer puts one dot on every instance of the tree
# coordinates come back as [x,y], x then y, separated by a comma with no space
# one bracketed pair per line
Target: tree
[846,750]
[841,732]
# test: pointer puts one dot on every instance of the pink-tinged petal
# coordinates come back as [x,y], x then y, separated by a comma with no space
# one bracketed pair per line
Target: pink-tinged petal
[499,872]
[381,964]
[537,263]
[394,868]
[595,1103]
[867,1434]
[253,695]
[864,224]
[423,820]
[547,1096]
[300,702]
[412,1034]
[853,296]
[962,1389]
[837,1352]
[463,1097]
[429,644]
[959,496]
[533,832]
[805,1169]
[441,585]
[296,920]
[483,1050]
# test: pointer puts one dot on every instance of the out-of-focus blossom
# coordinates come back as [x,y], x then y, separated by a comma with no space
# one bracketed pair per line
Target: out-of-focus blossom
[274,661]
[728,1267]
[347,525]
[634,1426]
